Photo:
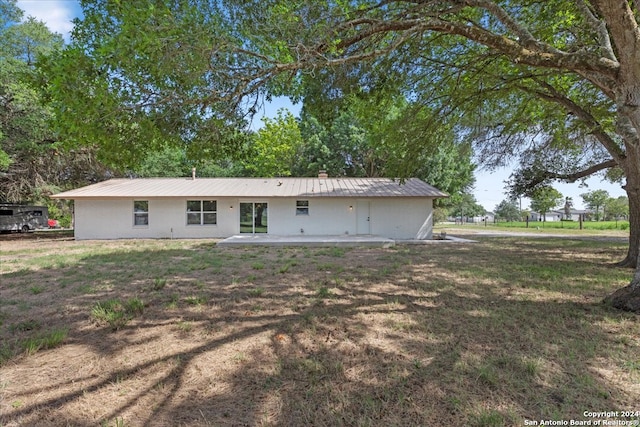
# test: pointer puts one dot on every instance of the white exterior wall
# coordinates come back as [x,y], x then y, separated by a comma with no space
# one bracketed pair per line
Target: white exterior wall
[399,218]
[402,218]
[326,217]
[113,219]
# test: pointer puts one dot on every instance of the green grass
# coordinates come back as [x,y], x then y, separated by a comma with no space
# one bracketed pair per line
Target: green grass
[488,418]
[42,340]
[46,340]
[485,334]
[256,292]
[35,290]
[570,225]
[115,313]
[173,302]
[184,326]
[284,268]
[336,252]
[195,300]
[27,325]
[559,226]
[159,283]
[324,292]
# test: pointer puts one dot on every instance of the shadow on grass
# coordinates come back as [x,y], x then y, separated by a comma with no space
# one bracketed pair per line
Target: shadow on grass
[464,335]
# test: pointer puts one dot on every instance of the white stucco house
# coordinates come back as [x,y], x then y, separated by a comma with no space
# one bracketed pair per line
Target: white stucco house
[223,207]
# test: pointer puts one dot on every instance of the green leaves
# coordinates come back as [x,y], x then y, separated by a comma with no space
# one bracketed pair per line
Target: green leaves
[595,200]
[507,210]
[140,76]
[545,198]
[274,147]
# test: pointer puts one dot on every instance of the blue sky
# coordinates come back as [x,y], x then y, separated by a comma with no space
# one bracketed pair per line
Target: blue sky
[57,14]
[489,188]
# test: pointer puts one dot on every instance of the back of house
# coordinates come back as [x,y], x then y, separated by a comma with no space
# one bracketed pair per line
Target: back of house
[167,208]
[23,218]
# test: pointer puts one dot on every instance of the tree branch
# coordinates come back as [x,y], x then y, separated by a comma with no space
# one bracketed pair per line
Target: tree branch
[578,61]
[538,55]
[596,129]
[525,37]
[573,177]
[599,26]
[623,27]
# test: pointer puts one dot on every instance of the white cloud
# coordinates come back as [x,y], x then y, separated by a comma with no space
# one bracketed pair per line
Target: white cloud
[57,14]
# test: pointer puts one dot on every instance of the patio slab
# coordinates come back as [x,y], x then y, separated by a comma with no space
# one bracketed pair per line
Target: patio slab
[270,240]
[342,240]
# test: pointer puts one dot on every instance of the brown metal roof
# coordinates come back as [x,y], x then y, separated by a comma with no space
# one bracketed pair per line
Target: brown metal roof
[253,187]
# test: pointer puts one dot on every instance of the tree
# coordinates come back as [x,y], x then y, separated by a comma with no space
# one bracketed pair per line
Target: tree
[595,200]
[465,205]
[340,147]
[507,210]
[375,135]
[275,146]
[557,83]
[32,164]
[617,208]
[543,199]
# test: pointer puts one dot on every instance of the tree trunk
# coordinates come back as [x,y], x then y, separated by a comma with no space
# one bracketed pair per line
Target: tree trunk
[632,187]
[631,260]
[628,298]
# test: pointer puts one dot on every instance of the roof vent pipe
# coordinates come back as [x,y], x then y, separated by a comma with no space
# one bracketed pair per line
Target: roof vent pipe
[193,173]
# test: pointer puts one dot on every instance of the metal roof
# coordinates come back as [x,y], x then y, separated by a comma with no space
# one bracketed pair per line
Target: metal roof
[253,187]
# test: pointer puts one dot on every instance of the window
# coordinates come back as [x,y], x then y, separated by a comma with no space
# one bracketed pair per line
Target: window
[302,207]
[140,212]
[202,212]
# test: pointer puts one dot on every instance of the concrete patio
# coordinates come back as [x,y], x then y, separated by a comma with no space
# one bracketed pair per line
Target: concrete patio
[342,240]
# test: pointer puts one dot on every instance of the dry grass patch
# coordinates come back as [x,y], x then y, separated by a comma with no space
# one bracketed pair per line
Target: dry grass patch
[485,334]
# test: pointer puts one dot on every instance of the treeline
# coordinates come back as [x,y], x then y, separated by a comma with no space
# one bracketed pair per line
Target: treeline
[372,134]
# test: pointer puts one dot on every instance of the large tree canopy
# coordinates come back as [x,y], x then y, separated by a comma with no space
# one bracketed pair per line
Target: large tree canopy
[32,165]
[556,83]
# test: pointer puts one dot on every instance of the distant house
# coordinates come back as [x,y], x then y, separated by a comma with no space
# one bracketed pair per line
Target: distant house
[549,216]
[488,217]
[222,207]
[575,214]
[559,215]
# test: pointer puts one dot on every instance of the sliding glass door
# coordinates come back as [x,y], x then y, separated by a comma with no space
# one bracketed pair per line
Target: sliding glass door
[254,217]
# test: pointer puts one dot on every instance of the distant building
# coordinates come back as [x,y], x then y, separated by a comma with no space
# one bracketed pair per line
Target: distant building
[549,216]
[558,215]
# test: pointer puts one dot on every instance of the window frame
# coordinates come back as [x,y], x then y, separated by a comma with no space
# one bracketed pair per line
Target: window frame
[140,214]
[302,207]
[202,213]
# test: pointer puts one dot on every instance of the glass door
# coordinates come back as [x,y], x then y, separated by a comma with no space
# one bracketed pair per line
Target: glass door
[254,217]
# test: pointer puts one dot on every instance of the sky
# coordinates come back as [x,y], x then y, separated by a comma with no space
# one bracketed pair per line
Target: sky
[489,187]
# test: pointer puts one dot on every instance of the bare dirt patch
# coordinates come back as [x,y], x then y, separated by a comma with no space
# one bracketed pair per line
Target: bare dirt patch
[482,334]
